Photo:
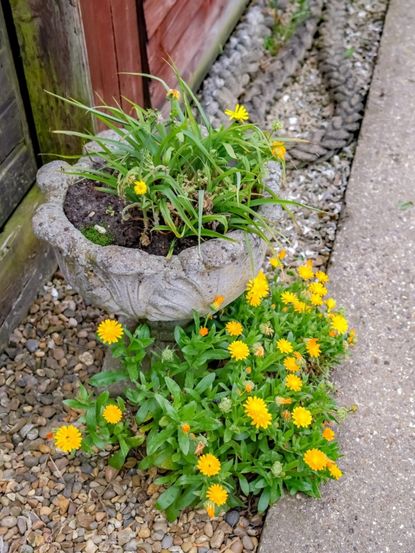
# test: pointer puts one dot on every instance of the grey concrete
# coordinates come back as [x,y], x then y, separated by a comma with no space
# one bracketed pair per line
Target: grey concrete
[371,509]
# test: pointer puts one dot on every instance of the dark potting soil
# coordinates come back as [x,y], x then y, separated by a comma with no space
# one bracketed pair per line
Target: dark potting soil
[85,207]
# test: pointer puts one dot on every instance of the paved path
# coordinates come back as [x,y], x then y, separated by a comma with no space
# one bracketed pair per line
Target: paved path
[371,509]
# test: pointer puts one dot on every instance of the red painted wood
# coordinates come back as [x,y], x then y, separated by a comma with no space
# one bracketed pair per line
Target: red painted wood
[156,11]
[189,47]
[112,42]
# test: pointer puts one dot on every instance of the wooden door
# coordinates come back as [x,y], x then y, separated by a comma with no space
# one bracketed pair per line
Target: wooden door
[17,160]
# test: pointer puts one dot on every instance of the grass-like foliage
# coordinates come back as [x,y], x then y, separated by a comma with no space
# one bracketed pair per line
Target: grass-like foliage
[179,174]
[240,404]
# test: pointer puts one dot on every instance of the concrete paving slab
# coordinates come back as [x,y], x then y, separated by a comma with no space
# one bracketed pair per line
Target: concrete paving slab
[371,509]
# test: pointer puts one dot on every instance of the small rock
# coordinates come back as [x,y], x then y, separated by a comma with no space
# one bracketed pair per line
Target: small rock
[208,529]
[131,546]
[144,532]
[26,549]
[22,525]
[217,539]
[167,541]
[247,543]
[32,345]
[232,517]
[25,430]
[63,503]
[125,536]
[90,547]
[86,358]
[237,547]
[9,521]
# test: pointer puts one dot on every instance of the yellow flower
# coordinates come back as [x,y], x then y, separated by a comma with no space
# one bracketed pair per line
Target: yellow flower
[288,297]
[217,302]
[315,459]
[283,400]
[317,288]
[328,434]
[203,331]
[298,356]
[331,304]
[275,262]
[185,427]
[210,509]
[352,337]
[284,346]
[259,350]
[173,93]
[316,299]
[305,271]
[290,363]
[209,465]
[240,113]
[112,414]
[339,323]
[302,417]
[217,494]
[313,347]
[322,276]
[68,438]
[140,187]
[234,328]
[257,411]
[293,382]
[334,470]
[256,289]
[300,307]
[278,149]
[238,350]
[282,253]
[249,386]
[110,331]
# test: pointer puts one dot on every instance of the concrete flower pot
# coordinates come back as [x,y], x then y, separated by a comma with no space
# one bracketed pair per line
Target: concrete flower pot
[137,285]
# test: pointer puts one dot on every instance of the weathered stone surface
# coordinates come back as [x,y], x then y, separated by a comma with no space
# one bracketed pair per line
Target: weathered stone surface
[137,285]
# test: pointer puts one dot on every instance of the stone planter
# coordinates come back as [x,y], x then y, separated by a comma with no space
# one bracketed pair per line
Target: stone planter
[139,286]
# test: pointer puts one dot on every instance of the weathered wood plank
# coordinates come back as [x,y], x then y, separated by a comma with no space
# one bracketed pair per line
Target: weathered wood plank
[11,131]
[6,88]
[111,35]
[25,263]
[52,47]
[155,12]
[16,177]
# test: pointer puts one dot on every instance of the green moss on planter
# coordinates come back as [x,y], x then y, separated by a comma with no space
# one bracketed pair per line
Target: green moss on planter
[97,237]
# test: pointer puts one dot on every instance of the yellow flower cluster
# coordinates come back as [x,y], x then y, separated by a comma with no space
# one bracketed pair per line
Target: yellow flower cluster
[257,411]
[257,289]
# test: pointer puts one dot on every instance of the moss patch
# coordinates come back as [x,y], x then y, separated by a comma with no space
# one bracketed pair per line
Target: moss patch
[96,237]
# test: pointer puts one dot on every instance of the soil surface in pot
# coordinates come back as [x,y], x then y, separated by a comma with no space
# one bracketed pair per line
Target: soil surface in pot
[85,207]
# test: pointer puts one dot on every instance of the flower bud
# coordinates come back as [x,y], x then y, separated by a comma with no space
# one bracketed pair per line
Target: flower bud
[225,404]
[276,469]
[167,355]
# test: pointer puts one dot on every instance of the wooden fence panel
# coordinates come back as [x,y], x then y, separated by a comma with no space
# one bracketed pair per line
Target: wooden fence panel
[17,161]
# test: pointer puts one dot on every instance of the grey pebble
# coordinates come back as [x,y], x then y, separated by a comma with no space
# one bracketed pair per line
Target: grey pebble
[9,521]
[232,517]
[167,541]
[32,345]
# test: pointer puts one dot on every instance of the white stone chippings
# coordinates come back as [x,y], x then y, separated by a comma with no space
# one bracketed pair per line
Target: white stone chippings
[137,285]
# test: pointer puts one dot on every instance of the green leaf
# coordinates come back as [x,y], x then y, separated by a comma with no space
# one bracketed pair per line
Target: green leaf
[106,378]
[205,383]
[117,459]
[230,151]
[264,500]
[167,498]
[243,482]
[173,387]
[184,442]
[156,439]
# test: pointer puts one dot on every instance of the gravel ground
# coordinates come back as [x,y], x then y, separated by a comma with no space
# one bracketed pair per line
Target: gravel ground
[306,106]
[50,503]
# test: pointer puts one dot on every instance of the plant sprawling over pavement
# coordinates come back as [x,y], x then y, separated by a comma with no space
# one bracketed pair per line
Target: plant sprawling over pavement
[239,405]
